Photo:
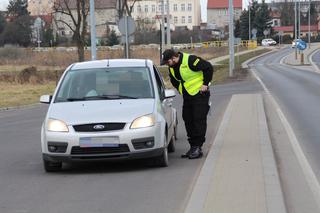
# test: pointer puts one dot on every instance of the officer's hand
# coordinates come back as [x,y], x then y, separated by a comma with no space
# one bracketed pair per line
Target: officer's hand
[204,88]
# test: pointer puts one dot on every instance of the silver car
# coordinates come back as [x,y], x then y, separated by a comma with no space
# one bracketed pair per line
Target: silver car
[109,109]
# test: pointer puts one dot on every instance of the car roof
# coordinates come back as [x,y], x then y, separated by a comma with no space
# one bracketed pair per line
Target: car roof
[112,63]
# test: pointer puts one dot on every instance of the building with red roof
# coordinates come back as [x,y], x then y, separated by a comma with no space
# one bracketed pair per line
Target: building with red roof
[218,14]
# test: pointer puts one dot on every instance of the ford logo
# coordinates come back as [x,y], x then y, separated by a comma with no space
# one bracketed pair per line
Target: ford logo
[98,127]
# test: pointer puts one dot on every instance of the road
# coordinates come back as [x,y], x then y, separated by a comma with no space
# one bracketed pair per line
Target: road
[296,91]
[97,187]
[316,58]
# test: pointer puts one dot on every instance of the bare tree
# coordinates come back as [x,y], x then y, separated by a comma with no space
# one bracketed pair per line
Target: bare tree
[77,11]
[125,7]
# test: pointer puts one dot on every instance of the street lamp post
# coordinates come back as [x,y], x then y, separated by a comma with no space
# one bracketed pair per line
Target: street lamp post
[249,22]
[231,39]
[93,31]
[309,24]
[168,26]
[299,22]
[295,29]
[162,26]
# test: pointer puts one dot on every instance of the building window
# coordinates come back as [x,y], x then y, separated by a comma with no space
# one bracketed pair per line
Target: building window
[175,7]
[175,19]
[139,8]
[153,8]
[183,7]
[183,19]
[146,8]
[189,7]
[159,8]
[189,19]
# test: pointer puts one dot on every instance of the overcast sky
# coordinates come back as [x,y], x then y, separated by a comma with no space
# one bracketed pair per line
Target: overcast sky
[3,4]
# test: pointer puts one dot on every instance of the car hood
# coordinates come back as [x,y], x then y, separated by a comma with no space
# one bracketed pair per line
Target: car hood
[82,112]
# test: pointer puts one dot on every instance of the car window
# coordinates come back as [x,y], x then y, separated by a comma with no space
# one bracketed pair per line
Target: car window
[160,85]
[106,83]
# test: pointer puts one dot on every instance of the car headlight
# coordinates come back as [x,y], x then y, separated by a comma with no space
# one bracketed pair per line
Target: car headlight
[144,121]
[56,126]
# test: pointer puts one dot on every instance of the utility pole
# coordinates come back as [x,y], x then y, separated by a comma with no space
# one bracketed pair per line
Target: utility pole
[295,29]
[168,26]
[299,28]
[309,23]
[249,20]
[93,31]
[162,25]
[231,39]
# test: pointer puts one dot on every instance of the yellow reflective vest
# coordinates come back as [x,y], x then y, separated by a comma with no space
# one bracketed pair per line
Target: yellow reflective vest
[192,81]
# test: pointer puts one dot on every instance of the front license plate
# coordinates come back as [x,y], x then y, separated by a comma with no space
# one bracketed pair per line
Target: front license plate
[99,142]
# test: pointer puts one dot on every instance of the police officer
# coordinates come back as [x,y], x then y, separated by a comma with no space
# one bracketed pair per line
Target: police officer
[191,76]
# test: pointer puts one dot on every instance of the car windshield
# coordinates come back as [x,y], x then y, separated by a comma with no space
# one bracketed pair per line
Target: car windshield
[105,83]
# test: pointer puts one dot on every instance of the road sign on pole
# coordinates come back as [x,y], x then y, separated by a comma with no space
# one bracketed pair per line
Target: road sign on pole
[126,27]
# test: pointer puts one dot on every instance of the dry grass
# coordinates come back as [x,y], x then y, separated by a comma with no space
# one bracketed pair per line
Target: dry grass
[13,94]
[49,67]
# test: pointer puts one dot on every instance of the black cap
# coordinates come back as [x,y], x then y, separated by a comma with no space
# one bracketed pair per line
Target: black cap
[166,55]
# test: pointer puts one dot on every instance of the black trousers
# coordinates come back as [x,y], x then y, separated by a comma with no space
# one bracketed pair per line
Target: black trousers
[194,113]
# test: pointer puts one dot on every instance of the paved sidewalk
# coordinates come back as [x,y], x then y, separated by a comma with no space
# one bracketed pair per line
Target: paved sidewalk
[239,174]
[221,58]
[291,58]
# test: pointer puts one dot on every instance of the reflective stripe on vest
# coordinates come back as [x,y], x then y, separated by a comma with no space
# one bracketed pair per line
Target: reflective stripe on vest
[192,80]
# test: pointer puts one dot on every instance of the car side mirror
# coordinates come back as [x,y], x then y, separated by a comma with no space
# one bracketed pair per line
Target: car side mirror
[169,93]
[45,99]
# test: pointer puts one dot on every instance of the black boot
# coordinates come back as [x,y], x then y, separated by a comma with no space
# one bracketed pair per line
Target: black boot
[186,155]
[196,152]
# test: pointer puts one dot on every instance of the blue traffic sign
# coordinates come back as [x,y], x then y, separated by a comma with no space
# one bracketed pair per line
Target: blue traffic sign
[301,45]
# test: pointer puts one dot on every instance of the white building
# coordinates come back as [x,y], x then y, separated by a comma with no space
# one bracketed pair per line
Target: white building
[40,7]
[105,15]
[183,13]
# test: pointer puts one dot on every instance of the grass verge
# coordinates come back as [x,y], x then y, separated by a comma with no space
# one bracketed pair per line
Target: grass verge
[14,94]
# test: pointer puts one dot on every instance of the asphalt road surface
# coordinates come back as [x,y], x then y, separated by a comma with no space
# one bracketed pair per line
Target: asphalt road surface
[316,58]
[298,94]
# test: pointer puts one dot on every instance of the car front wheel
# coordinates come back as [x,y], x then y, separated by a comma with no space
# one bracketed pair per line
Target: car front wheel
[163,159]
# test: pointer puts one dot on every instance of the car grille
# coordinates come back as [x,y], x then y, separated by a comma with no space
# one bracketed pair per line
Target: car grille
[77,150]
[98,127]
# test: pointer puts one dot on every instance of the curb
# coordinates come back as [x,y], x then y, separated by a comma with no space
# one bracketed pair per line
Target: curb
[245,64]
[274,195]
[19,107]
[312,62]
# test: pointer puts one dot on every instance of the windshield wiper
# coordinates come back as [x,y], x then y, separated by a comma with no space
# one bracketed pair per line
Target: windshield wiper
[76,99]
[119,97]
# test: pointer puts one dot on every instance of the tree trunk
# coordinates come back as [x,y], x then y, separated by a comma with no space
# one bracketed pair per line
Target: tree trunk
[80,51]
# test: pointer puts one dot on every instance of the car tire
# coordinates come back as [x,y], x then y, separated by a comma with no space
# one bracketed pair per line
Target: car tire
[50,166]
[163,159]
[172,144]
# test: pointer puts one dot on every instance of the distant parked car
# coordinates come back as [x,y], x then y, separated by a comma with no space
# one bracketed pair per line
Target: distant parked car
[109,109]
[268,42]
